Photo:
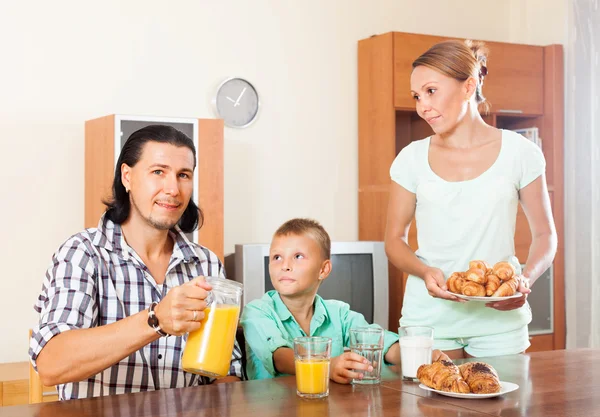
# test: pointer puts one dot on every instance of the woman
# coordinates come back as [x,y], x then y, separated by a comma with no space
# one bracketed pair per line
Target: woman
[463,184]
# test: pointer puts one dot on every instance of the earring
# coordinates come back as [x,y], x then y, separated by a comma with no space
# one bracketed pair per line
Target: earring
[127,190]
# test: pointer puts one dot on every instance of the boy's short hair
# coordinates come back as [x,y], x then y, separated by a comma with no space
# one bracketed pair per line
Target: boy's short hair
[307,227]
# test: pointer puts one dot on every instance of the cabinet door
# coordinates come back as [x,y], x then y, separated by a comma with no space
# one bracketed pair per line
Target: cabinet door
[407,48]
[541,343]
[515,80]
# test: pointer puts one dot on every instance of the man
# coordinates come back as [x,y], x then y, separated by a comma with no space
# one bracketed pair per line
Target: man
[113,293]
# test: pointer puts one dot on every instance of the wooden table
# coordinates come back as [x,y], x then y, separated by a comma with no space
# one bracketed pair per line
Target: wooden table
[557,383]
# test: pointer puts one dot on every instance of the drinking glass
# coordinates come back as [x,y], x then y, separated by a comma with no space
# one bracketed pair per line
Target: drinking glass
[312,357]
[368,343]
[416,343]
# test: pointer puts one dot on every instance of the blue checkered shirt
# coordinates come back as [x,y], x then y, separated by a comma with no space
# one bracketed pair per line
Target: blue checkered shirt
[95,279]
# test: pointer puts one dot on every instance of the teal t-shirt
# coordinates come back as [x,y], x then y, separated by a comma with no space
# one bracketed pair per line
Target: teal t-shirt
[269,325]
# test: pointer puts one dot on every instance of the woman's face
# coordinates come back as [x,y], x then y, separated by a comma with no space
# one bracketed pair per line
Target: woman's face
[441,101]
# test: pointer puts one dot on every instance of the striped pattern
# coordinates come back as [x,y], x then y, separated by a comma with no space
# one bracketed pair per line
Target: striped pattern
[96,279]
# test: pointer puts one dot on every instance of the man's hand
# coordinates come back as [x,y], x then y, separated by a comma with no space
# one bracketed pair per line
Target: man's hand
[342,368]
[182,309]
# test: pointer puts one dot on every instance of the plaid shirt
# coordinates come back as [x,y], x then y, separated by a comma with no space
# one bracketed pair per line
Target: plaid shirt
[96,279]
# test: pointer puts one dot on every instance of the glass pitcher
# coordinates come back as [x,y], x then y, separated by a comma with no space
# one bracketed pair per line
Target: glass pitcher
[208,350]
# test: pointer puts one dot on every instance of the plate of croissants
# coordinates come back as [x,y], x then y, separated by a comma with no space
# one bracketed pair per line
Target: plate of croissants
[469,380]
[482,282]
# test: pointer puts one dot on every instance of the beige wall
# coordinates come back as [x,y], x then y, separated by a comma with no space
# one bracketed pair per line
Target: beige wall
[64,62]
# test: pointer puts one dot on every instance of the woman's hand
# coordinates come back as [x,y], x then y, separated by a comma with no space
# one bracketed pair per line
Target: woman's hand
[436,285]
[513,303]
[342,368]
[438,355]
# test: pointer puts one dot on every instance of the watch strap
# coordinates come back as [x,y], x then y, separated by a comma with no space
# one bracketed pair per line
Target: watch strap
[153,320]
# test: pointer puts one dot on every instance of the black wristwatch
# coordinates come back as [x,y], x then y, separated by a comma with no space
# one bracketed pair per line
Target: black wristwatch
[153,321]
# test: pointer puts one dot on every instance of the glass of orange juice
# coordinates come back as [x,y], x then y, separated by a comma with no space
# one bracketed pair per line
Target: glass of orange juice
[208,350]
[312,356]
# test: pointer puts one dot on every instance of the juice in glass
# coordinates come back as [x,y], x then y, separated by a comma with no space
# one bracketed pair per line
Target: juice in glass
[312,376]
[312,356]
[208,350]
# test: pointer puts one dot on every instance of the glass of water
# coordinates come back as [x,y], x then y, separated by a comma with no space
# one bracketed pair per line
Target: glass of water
[368,342]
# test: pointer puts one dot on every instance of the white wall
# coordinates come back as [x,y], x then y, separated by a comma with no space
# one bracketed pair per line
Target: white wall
[64,62]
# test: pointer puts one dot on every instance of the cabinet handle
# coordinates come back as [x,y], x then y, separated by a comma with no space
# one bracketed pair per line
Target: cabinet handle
[510,111]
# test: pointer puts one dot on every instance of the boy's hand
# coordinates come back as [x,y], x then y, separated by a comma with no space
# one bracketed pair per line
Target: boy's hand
[438,355]
[342,367]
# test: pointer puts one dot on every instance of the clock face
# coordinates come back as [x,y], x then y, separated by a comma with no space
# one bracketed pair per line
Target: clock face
[237,102]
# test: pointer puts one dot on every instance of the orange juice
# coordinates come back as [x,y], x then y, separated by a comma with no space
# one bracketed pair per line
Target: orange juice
[312,376]
[208,349]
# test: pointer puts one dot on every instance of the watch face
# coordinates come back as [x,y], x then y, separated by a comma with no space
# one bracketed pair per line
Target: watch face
[237,102]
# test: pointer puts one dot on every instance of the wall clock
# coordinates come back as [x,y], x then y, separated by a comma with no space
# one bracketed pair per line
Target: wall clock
[237,102]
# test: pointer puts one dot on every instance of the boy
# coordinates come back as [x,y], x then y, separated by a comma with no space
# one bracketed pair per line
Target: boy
[299,260]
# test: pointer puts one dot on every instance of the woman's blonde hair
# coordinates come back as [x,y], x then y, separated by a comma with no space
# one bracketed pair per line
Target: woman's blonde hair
[459,60]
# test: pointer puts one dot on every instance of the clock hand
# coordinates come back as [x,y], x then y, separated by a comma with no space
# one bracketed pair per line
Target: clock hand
[237,102]
[230,99]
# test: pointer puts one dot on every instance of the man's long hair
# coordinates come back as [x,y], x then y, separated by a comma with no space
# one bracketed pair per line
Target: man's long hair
[119,206]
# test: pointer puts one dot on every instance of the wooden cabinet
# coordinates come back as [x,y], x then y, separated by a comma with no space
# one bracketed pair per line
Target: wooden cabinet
[514,84]
[541,343]
[524,87]
[515,81]
[408,47]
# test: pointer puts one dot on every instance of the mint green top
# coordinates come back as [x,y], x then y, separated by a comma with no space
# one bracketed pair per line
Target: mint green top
[461,221]
[269,325]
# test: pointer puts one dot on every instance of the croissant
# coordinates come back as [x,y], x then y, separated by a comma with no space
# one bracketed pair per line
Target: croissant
[476,275]
[473,289]
[507,288]
[481,377]
[483,265]
[456,282]
[489,271]
[504,270]
[443,376]
[492,284]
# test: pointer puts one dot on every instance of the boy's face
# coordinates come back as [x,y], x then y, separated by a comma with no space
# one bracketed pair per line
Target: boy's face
[296,265]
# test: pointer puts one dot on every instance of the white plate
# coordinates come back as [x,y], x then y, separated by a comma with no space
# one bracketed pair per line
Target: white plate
[486,299]
[505,388]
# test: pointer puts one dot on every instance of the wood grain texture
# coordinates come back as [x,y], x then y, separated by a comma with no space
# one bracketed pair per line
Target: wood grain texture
[553,125]
[210,150]
[515,79]
[376,115]
[407,48]
[541,343]
[99,166]
[35,386]
[558,383]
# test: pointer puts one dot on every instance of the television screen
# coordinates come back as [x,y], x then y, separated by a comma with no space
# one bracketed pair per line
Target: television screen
[351,281]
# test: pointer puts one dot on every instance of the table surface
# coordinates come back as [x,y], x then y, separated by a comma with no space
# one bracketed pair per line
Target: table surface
[562,383]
